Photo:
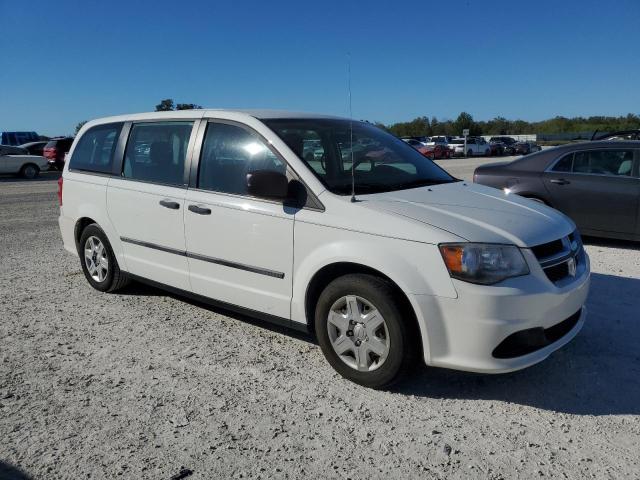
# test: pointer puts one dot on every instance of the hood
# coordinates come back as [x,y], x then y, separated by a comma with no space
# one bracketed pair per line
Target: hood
[476,213]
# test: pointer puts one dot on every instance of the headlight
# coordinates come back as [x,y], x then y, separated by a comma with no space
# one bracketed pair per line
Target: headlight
[483,263]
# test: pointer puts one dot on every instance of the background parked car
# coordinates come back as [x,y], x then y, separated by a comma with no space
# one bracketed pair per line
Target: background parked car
[430,150]
[56,149]
[21,163]
[35,148]
[497,148]
[475,146]
[507,142]
[413,142]
[597,184]
[436,151]
[525,148]
[18,138]
[12,150]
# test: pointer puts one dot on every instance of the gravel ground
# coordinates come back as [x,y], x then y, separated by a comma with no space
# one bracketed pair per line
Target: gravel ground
[144,384]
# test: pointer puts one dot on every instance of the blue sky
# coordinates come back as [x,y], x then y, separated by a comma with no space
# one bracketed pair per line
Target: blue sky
[67,61]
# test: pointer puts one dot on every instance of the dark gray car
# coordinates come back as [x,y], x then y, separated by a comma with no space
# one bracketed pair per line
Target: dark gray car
[597,184]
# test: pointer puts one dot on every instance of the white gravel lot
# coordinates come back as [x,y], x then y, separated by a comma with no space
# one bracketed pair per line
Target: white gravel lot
[143,384]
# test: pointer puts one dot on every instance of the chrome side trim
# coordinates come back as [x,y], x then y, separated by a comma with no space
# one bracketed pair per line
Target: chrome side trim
[205,258]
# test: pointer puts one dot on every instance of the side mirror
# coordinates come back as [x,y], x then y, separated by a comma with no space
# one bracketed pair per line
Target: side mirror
[267,184]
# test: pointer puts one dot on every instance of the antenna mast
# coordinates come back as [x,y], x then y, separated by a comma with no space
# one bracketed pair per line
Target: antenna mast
[353,173]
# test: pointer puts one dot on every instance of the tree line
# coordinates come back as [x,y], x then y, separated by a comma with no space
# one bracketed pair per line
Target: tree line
[425,126]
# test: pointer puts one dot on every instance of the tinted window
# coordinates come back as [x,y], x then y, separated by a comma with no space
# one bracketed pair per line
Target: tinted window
[230,152]
[94,152]
[565,164]
[604,162]
[156,152]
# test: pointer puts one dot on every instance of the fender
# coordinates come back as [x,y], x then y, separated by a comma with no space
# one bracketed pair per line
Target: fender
[401,265]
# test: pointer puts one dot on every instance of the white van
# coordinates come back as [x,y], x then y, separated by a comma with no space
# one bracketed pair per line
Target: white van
[367,243]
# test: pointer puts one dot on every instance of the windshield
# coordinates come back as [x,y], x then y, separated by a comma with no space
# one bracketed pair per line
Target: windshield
[381,162]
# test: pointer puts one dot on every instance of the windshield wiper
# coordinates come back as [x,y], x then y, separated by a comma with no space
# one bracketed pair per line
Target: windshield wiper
[423,182]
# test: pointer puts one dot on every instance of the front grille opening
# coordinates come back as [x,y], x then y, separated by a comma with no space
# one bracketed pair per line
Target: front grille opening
[547,249]
[557,272]
[532,339]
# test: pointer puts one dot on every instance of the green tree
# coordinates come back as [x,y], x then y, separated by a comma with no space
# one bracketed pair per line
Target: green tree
[465,121]
[188,106]
[79,126]
[165,105]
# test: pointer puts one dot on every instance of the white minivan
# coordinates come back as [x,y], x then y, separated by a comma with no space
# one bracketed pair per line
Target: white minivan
[373,247]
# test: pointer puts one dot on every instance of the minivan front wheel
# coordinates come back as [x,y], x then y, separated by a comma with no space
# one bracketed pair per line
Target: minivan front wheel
[98,261]
[363,332]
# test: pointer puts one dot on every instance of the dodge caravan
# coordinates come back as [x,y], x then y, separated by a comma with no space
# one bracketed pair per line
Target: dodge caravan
[366,243]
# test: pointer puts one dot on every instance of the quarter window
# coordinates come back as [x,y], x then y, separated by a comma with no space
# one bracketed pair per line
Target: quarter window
[94,151]
[229,153]
[156,152]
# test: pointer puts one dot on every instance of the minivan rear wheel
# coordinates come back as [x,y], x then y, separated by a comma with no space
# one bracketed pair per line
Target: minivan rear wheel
[364,333]
[98,261]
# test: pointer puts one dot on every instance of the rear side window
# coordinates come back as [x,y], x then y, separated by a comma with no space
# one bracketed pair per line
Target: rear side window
[156,152]
[230,152]
[564,164]
[94,152]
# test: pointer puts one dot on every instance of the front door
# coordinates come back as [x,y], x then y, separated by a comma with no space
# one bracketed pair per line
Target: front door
[239,248]
[146,205]
[597,189]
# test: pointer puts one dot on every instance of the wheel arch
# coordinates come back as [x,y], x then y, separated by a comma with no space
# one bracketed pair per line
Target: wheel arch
[330,272]
[80,225]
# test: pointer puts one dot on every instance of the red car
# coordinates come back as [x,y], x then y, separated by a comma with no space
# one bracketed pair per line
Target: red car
[55,150]
[435,152]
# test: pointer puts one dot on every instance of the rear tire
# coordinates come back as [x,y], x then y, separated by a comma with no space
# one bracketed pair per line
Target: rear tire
[470,153]
[357,316]
[98,261]
[29,171]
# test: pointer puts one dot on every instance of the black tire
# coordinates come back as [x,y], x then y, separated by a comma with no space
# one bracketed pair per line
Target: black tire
[115,278]
[399,322]
[29,171]
[469,153]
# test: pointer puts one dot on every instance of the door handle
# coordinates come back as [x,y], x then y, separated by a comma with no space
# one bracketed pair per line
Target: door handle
[199,210]
[170,204]
[560,181]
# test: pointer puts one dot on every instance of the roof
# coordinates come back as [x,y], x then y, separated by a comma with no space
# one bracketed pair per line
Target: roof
[596,144]
[209,112]
[272,114]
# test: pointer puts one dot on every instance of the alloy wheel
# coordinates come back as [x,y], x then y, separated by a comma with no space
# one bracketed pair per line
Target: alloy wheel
[95,259]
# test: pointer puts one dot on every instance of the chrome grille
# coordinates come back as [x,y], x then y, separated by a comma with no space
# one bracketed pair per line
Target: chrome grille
[560,259]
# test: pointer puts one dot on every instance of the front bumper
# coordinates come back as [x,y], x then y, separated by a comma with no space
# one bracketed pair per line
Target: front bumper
[463,333]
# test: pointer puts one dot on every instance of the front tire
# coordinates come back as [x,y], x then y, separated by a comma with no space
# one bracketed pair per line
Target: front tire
[98,261]
[364,334]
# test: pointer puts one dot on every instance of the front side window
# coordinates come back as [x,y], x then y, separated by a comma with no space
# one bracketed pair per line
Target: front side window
[156,152]
[604,162]
[230,152]
[94,152]
[381,162]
